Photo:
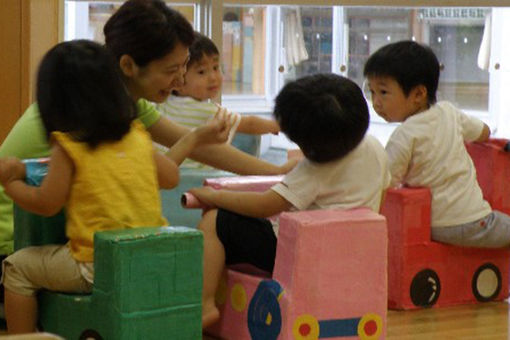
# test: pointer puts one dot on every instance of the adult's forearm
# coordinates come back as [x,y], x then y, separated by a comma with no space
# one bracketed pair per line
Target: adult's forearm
[222,156]
[166,132]
[228,158]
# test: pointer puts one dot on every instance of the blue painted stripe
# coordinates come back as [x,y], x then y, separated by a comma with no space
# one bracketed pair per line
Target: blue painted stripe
[338,327]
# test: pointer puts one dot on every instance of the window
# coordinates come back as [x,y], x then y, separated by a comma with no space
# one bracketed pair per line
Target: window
[243,50]
[265,46]
[86,19]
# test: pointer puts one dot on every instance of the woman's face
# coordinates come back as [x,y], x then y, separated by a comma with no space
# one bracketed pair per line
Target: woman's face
[157,79]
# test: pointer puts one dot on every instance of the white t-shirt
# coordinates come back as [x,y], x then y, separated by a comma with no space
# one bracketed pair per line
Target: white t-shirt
[428,150]
[356,180]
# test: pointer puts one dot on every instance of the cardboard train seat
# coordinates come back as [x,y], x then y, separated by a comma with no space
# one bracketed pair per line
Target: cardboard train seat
[147,284]
[423,273]
[329,280]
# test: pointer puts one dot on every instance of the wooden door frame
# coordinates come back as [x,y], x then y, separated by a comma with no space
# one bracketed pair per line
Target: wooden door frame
[28,28]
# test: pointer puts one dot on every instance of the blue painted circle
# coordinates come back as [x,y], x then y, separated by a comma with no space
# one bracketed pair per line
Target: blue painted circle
[264,314]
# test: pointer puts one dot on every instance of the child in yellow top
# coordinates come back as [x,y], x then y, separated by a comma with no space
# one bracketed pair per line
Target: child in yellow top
[103,169]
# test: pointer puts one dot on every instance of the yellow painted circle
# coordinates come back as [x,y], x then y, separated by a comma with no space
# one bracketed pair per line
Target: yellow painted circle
[221,292]
[238,297]
[370,320]
[306,327]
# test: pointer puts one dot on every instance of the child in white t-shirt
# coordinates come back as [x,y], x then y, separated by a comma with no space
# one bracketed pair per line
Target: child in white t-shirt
[428,149]
[191,105]
[327,116]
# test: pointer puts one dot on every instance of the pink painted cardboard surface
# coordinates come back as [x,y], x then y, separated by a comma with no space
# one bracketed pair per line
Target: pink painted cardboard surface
[330,264]
[458,269]
[493,171]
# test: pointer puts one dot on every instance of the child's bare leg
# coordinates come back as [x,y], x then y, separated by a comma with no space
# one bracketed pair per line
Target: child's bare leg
[214,264]
[20,313]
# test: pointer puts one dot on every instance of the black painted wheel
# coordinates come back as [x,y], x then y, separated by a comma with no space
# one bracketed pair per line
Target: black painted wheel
[486,282]
[425,288]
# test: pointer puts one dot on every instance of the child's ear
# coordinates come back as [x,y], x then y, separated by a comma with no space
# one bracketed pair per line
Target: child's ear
[420,94]
[128,65]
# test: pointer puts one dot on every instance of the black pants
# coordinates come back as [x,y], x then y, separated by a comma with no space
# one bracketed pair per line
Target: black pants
[246,240]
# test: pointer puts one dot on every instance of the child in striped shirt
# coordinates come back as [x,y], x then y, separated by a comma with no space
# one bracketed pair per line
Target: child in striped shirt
[191,104]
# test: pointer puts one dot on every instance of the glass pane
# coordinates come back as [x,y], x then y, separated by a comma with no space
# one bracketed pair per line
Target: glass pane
[86,19]
[454,34]
[307,48]
[244,50]
[370,29]
[307,41]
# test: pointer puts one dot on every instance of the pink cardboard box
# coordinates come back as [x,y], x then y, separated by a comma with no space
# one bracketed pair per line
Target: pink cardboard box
[329,281]
[423,273]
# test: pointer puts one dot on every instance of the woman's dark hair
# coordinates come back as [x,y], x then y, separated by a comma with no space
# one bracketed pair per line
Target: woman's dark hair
[326,115]
[202,45]
[80,91]
[407,62]
[146,30]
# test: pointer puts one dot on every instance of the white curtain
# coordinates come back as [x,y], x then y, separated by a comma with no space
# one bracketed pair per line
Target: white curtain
[293,39]
[484,54]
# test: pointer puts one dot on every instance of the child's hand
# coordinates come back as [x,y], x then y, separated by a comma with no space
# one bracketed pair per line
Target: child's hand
[215,131]
[291,163]
[204,194]
[233,119]
[11,169]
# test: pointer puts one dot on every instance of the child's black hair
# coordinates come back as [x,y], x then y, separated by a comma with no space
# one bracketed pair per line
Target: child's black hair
[80,91]
[410,64]
[201,46]
[146,30]
[326,115]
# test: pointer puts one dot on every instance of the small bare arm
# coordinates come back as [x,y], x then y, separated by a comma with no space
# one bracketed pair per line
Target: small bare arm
[53,193]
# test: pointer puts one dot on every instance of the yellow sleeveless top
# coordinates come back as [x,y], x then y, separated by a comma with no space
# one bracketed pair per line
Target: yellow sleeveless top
[114,186]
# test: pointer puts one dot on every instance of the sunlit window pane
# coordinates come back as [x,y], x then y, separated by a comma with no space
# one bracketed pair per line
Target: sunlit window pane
[243,52]
[307,40]
[86,19]
[314,39]
[370,29]
[454,34]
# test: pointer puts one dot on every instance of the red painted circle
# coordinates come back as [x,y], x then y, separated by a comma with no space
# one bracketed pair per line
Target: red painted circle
[370,327]
[304,329]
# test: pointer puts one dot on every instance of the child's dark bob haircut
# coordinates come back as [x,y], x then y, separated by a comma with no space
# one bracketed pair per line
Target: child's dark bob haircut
[201,46]
[80,91]
[326,115]
[410,64]
[146,30]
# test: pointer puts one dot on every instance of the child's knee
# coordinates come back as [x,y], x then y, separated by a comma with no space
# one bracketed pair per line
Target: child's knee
[14,280]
